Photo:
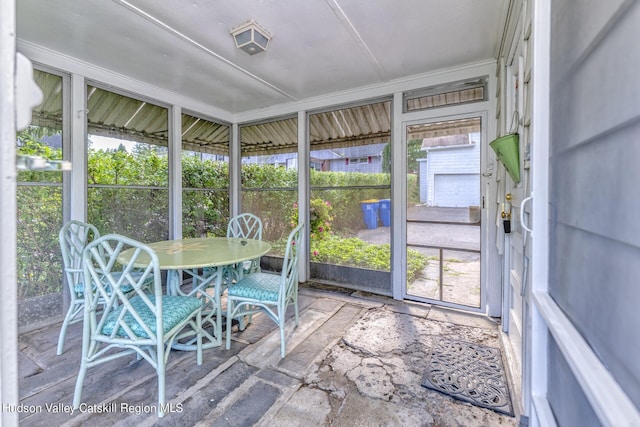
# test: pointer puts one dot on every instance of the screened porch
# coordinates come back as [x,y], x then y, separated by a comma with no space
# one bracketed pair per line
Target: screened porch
[132,161]
[175,143]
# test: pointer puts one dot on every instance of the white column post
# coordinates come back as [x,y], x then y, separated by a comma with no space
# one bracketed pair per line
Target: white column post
[8,269]
[78,154]
[175,172]
[303,193]
[235,165]
[399,200]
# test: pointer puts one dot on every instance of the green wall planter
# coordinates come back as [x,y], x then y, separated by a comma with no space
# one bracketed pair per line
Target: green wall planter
[507,150]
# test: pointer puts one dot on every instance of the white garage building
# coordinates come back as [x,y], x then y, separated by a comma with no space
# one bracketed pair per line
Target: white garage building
[450,174]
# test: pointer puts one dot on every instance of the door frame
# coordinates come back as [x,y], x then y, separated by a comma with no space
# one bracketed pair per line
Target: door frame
[490,296]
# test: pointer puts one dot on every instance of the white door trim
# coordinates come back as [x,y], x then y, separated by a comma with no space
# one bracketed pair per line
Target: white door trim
[491,298]
[540,69]
[610,403]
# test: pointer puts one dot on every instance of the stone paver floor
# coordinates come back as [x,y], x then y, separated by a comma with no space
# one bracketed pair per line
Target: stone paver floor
[355,360]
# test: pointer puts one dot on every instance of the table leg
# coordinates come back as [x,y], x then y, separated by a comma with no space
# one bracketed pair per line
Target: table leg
[173,282]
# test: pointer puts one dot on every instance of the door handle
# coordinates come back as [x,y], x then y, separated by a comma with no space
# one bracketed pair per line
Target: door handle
[522,213]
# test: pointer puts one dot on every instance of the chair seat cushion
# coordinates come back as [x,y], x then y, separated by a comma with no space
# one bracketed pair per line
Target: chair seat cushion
[259,286]
[175,309]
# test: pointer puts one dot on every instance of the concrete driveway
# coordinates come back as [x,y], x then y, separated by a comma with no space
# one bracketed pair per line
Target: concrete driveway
[448,228]
[441,227]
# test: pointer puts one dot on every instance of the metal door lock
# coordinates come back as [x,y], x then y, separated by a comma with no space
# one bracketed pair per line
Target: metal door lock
[506,221]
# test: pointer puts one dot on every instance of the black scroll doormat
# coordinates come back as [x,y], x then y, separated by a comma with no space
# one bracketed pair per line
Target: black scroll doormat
[469,372]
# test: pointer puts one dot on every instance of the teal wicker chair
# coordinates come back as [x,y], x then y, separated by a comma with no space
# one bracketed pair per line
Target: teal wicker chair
[269,293]
[124,315]
[74,236]
[247,226]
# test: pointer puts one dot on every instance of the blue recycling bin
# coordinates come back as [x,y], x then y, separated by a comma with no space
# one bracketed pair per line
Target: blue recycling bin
[385,212]
[370,213]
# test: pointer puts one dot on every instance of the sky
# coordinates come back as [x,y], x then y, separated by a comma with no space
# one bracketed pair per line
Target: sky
[106,143]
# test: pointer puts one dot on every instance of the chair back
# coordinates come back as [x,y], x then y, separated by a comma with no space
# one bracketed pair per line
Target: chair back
[74,237]
[132,310]
[246,226]
[289,275]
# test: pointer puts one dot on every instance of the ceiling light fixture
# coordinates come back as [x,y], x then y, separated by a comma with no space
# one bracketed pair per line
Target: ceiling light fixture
[251,37]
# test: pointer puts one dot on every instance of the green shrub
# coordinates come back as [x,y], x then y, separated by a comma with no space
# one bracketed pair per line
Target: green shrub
[138,207]
[354,252]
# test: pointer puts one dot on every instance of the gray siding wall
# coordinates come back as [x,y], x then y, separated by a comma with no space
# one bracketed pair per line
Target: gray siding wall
[566,385]
[340,165]
[594,266]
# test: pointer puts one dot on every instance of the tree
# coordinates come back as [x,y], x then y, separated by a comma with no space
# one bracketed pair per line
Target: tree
[414,153]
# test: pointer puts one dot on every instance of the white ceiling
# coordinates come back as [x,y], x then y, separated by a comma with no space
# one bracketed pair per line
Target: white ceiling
[319,46]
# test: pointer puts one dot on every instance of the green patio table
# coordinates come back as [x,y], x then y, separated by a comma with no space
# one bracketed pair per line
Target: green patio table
[219,256]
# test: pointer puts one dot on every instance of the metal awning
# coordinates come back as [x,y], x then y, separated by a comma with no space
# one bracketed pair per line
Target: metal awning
[118,116]
[347,127]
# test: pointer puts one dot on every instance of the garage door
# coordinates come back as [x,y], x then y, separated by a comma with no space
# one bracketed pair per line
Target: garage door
[456,190]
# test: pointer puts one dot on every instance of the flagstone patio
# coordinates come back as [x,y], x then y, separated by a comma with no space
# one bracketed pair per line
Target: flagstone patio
[355,360]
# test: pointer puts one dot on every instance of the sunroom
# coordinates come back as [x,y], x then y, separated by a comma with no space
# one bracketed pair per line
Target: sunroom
[368,122]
